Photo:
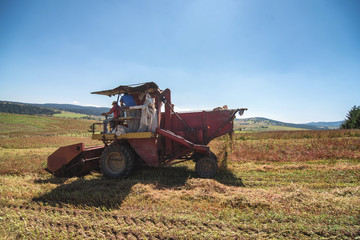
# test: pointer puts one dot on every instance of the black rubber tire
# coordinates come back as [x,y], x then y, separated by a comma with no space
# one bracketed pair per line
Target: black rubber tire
[117,160]
[206,167]
[197,156]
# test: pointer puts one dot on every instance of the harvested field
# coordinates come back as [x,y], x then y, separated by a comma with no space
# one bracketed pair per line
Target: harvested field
[285,186]
[276,203]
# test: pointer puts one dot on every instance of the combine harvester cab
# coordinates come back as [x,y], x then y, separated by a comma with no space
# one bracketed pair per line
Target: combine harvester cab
[147,136]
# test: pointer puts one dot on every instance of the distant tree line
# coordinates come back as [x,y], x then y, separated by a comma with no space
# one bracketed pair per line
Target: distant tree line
[20,108]
[95,111]
[352,119]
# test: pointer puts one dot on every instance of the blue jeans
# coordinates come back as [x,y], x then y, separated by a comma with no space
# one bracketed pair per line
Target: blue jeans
[106,122]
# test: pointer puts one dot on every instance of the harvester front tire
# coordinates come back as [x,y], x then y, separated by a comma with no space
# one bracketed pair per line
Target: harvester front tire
[206,167]
[117,161]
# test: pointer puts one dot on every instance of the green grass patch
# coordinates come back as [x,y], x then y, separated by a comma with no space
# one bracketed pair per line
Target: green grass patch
[15,125]
[65,114]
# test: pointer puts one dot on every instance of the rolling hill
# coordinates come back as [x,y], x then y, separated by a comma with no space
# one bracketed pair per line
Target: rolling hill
[330,125]
[25,108]
[95,111]
[248,124]
[265,124]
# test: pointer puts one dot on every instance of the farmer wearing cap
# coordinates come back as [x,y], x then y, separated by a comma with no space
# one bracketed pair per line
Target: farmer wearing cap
[117,113]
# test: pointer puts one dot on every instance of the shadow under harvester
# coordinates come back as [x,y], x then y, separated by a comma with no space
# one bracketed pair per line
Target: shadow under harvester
[110,193]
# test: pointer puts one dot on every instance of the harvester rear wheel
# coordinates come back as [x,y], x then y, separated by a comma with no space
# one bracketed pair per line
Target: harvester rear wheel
[117,160]
[206,167]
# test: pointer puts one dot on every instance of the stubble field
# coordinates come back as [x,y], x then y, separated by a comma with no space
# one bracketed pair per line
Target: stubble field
[280,185]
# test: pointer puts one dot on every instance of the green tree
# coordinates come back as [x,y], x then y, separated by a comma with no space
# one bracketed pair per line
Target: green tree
[352,119]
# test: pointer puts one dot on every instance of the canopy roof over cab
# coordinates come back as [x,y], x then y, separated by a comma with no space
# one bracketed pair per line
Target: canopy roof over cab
[134,88]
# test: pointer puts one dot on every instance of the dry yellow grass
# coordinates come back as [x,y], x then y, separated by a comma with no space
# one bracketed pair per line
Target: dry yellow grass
[144,206]
[267,188]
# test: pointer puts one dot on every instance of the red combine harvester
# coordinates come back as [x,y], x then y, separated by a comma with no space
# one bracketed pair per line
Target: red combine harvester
[147,136]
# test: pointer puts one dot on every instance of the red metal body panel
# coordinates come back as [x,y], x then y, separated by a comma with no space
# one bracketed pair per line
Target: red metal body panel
[167,119]
[180,140]
[89,159]
[63,156]
[204,126]
[74,160]
[147,149]
[198,128]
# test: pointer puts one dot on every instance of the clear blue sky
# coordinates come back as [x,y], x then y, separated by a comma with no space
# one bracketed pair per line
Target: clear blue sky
[289,60]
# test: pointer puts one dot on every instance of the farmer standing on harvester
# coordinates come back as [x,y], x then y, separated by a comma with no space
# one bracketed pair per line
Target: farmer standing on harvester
[116,110]
[125,101]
